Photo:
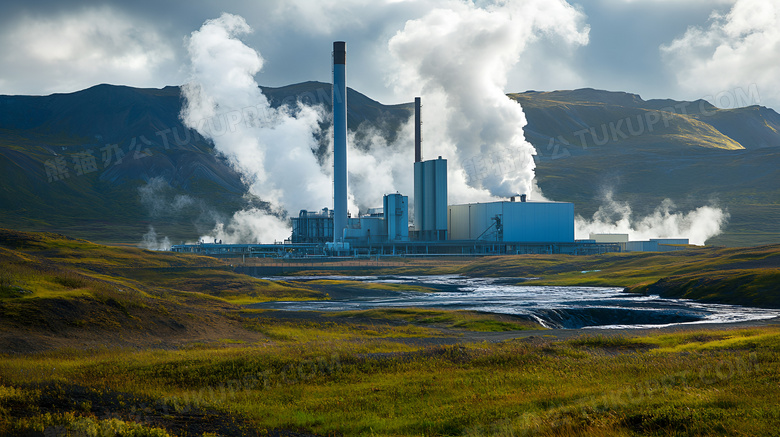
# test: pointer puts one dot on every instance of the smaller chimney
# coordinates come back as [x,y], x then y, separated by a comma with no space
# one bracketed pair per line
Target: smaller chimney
[417,131]
[512,199]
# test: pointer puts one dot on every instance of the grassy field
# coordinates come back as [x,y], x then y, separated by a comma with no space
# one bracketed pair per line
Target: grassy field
[98,340]
[57,291]
[691,383]
[469,320]
[39,265]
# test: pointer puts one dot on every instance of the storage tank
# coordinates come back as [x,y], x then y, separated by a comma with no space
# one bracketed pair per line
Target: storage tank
[430,199]
[396,212]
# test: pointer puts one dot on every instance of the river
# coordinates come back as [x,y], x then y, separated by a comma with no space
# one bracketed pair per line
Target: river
[553,307]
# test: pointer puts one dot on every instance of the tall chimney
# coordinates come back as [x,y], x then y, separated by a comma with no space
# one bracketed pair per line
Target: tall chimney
[339,100]
[417,131]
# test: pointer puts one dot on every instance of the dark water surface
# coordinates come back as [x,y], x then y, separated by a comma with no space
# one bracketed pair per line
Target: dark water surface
[553,307]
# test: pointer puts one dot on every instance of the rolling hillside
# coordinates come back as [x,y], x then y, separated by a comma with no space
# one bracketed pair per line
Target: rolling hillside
[107,162]
[589,141]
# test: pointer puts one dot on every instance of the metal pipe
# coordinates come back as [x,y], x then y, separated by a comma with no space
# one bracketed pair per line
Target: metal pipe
[339,100]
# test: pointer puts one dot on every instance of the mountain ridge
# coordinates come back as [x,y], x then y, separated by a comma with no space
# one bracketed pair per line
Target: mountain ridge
[585,139]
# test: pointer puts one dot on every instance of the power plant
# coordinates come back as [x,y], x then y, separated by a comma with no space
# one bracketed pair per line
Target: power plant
[516,225]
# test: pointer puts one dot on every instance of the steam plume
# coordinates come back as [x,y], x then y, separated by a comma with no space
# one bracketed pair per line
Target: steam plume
[151,242]
[615,217]
[271,148]
[458,59]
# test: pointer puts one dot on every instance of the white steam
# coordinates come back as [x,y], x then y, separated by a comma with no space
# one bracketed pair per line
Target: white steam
[155,197]
[247,226]
[458,60]
[271,148]
[152,242]
[377,167]
[615,217]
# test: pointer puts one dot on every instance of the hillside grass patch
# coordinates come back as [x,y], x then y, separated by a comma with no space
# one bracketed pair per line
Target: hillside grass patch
[466,320]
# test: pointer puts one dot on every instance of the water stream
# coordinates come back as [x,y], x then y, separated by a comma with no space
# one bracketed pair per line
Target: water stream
[553,307]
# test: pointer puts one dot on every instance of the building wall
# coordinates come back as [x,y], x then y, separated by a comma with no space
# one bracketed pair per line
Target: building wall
[366,230]
[609,238]
[641,246]
[670,240]
[520,221]
[656,245]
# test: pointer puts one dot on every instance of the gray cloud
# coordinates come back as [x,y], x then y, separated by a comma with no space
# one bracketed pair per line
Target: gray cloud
[295,38]
[737,50]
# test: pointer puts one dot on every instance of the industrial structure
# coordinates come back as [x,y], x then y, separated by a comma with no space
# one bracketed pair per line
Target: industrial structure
[339,100]
[523,221]
[513,226]
[651,245]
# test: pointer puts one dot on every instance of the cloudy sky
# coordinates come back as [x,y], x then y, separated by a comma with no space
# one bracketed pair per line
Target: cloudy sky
[727,51]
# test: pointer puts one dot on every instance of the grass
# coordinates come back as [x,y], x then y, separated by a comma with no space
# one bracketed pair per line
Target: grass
[467,320]
[724,382]
[363,372]
[618,342]
[753,287]
[302,331]
[39,269]
[232,287]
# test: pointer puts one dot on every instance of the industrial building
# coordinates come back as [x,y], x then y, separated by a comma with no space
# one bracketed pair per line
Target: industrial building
[530,222]
[516,225]
[651,245]
[313,227]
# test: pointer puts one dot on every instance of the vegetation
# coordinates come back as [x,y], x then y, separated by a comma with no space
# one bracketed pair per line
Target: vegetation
[46,265]
[304,330]
[54,289]
[98,340]
[752,287]
[468,320]
[688,383]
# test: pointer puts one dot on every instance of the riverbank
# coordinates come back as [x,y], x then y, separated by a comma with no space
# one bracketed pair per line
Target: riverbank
[449,336]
